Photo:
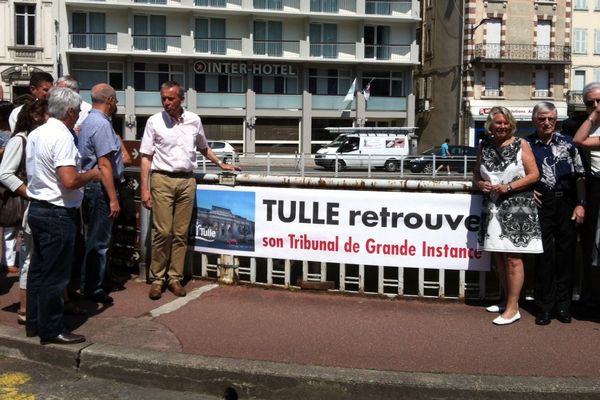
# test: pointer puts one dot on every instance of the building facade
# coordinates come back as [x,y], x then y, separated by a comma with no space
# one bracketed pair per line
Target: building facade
[265,75]
[516,54]
[585,50]
[438,80]
[27,44]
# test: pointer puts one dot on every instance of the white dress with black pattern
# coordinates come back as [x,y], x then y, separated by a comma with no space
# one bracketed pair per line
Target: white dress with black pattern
[509,223]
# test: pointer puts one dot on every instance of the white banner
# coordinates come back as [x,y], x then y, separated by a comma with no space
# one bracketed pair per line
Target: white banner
[425,230]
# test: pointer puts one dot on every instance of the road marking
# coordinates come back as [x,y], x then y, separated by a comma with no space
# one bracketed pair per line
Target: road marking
[182,301]
[8,386]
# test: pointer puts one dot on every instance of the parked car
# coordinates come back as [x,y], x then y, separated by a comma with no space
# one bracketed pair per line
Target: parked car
[424,162]
[224,150]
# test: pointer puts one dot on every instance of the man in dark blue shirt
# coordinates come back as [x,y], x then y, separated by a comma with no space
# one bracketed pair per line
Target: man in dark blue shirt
[99,146]
[560,195]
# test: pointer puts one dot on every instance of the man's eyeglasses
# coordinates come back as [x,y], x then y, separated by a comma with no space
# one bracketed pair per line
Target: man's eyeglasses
[591,103]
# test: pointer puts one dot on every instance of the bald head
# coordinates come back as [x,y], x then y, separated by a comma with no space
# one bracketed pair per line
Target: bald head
[102,92]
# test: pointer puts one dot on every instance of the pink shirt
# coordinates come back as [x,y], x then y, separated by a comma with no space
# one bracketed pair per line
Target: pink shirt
[173,143]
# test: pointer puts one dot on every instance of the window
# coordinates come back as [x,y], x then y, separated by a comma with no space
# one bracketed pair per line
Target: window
[330,6]
[383,7]
[273,84]
[149,33]
[596,42]
[579,81]
[543,29]
[377,42]
[267,38]
[580,41]
[323,40]
[220,83]
[90,73]
[149,76]
[268,4]
[384,83]
[25,24]
[597,6]
[88,31]
[210,36]
[493,28]
[329,81]
[492,83]
[542,83]
[596,74]
[581,5]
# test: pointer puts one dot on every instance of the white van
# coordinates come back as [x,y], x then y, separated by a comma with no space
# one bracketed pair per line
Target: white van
[361,147]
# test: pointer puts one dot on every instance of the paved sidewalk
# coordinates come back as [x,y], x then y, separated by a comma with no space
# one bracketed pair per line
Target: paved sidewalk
[298,345]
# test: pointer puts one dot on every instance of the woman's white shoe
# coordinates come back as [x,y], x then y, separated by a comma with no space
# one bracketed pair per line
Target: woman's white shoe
[502,321]
[496,308]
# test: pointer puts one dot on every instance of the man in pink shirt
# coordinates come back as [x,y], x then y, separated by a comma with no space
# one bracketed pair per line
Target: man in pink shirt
[168,186]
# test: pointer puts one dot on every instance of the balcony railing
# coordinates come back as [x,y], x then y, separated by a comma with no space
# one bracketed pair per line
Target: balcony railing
[276,4]
[333,50]
[170,2]
[392,52]
[388,7]
[523,52]
[575,97]
[226,47]
[93,41]
[157,44]
[211,3]
[277,48]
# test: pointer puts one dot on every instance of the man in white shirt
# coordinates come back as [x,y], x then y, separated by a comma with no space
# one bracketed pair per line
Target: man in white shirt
[39,85]
[53,185]
[73,84]
[168,186]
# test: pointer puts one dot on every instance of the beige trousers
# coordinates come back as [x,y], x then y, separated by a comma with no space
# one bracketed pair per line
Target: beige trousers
[172,205]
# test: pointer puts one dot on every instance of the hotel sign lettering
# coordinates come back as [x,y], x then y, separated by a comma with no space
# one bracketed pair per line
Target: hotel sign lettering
[210,67]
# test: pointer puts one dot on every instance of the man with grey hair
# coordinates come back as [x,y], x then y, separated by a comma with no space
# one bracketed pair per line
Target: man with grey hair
[99,146]
[587,138]
[53,186]
[560,195]
[70,82]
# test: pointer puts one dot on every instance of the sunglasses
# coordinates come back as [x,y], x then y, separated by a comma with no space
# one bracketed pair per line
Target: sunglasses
[591,103]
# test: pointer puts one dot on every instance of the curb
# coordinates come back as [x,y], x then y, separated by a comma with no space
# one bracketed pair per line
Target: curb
[270,380]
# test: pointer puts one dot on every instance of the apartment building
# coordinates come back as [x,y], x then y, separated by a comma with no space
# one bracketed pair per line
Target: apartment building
[266,75]
[26,44]
[585,52]
[516,54]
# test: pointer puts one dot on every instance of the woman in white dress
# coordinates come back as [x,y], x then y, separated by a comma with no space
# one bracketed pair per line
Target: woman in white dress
[505,172]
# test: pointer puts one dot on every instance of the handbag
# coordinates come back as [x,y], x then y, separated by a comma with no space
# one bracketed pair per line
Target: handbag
[12,205]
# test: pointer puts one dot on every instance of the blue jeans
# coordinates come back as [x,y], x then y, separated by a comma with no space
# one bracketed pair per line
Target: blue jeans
[96,211]
[53,232]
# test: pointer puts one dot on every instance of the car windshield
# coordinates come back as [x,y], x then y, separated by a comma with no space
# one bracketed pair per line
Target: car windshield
[337,142]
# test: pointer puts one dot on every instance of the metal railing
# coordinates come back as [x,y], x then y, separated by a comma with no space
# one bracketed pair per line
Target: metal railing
[277,48]
[93,41]
[157,44]
[333,50]
[388,7]
[523,52]
[387,51]
[218,46]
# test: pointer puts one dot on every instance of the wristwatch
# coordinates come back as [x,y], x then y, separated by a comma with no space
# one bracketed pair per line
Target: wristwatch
[508,188]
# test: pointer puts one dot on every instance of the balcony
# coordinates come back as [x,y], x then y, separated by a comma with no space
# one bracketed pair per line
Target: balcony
[160,2]
[279,101]
[575,97]
[392,52]
[334,51]
[523,53]
[224,47]
[157,44]
[387,104]
[93,41]
[333,6]
[221,100]
[277,48]
[277,5]
[388,8]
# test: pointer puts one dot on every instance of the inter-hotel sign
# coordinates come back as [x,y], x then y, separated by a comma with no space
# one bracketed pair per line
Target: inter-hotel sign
[210,67]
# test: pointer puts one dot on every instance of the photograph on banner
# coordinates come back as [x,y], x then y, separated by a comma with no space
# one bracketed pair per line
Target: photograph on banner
[405,229]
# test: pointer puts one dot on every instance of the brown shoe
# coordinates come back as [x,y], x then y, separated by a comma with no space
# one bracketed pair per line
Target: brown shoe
[177,289]
[155,291]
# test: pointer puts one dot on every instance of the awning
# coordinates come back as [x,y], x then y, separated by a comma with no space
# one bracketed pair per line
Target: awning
[521,110]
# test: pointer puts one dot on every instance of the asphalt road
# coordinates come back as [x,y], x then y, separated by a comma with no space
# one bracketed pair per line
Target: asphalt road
[27,380]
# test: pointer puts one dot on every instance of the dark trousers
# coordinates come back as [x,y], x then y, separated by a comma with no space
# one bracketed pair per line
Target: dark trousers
[96,215]
[53,231]
[554,267]
[590,285]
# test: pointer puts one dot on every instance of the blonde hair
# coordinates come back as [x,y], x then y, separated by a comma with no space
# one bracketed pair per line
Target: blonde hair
[507,114]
